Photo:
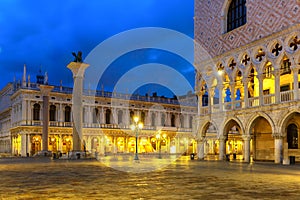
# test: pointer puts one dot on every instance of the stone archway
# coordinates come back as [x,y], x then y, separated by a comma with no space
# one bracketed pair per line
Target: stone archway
[210,143]
[263,142]
[233,140]
[290,129]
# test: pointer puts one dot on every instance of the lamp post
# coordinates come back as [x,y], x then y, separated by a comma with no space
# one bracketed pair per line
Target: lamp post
[136,127]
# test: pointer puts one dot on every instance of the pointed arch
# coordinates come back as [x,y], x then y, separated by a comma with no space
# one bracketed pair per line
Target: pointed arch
[230,122]
[205,126]
[250,123]
[286,118]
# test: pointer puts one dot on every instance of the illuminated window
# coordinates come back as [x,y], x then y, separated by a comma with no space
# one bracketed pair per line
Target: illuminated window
[285,67]
[268,71]
[237,14]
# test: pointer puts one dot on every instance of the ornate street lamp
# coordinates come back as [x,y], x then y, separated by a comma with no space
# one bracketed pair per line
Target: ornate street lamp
[136,127]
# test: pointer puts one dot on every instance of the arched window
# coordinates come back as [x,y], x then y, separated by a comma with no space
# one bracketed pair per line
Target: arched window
[292,136]
[143,117]
[173,120]
[131,117]
[237,14]
[95,115]
[191,122]
[52,113]
[285,67]
[36,111]
[67,114]
[181,121]
[107,116]
[120,117]
[163,119]
[153,119]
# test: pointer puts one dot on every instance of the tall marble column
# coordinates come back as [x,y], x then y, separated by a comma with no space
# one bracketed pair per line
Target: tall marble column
[45,90]
[78,70]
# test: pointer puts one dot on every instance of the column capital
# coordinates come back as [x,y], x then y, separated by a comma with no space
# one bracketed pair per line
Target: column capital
[78,68]
[245,80]
[277,136]
[220,86]
[201,139]
[222,138]
[246,137]
[260,76]
[46,89]
[276,72]
[294,69]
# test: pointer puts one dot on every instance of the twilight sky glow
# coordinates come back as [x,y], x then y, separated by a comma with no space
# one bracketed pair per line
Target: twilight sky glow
[42,35]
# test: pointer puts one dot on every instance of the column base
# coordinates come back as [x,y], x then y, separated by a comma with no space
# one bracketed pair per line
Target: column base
[286,161]
[75,155]
[44,154]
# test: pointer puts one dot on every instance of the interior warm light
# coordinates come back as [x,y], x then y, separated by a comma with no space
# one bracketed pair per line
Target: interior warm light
[136,119]
[220,72]
[140,125]
[158,136]
[132,127]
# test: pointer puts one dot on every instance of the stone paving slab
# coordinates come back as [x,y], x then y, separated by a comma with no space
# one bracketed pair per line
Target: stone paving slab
[29,178]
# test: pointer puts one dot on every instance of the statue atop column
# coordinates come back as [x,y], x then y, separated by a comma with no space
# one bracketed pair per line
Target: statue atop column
[78,56]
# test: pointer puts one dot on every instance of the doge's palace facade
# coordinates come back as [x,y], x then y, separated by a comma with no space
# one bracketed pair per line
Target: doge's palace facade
[248,61]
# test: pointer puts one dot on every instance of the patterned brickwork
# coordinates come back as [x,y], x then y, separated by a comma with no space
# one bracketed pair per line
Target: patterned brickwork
[264,17]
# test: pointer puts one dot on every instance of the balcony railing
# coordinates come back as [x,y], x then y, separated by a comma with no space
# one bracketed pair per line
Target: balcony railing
[269,99]
[227,105]
[98,93]
[286,96]
[253,101]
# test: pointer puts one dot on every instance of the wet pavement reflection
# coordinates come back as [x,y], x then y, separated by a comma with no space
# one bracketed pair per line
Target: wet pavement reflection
[30,178]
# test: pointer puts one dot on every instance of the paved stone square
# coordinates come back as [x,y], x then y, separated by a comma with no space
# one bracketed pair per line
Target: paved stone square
[30,178]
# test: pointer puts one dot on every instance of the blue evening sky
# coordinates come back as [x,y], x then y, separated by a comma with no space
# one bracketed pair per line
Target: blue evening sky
[42,35]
